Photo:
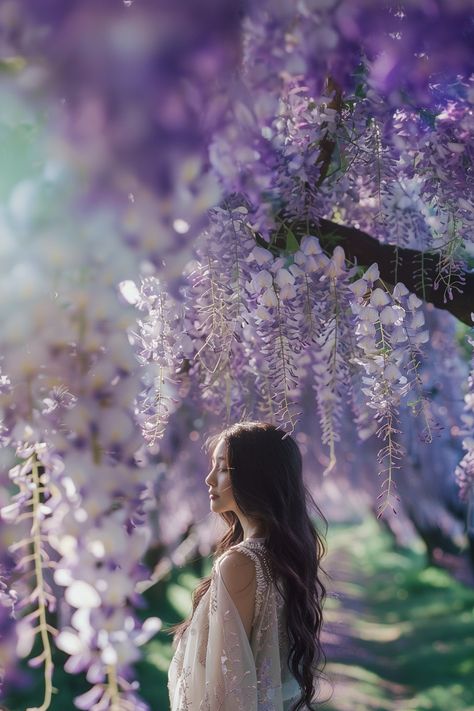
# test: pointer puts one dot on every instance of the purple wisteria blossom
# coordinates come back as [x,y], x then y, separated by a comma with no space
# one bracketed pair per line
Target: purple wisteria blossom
[389,333]
[67,399]
[161,343]
[217,313]
[137,90]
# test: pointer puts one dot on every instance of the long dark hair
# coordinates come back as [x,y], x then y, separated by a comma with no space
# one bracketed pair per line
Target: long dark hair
[267,482]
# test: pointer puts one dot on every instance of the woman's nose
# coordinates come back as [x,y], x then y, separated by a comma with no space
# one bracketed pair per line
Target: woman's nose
[208,478]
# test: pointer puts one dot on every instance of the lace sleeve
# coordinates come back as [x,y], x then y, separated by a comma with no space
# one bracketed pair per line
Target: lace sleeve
[230,675]
[262,572]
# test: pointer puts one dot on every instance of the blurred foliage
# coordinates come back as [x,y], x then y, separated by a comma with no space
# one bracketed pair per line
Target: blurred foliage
[171,600]
[462,333]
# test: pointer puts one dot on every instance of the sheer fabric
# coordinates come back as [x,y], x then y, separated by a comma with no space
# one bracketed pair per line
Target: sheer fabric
[216,668]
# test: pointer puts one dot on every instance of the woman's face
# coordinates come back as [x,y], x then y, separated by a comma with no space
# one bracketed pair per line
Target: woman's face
[218,482]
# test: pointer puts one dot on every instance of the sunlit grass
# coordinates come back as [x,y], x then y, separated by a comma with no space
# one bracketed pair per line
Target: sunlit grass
[413,628]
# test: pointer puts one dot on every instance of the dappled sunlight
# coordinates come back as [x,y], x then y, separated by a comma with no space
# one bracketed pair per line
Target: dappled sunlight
[389,652]
[358,690]
[377,632]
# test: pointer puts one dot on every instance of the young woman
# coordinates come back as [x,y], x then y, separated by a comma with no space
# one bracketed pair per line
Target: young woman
[252,642]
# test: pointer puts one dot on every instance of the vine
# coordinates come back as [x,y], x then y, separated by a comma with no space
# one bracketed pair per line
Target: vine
[35,493]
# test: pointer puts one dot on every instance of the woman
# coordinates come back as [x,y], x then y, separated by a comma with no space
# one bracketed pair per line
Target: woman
[252,641]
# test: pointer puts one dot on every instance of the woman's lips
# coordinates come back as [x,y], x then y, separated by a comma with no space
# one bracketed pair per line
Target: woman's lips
[213,496]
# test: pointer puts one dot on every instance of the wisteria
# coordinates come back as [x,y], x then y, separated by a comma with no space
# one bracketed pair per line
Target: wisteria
[387,325]
[217,311]
[158,344]
[190,198]
[68,414]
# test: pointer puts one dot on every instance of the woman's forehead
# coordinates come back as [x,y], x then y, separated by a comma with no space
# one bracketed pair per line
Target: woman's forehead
[219,450]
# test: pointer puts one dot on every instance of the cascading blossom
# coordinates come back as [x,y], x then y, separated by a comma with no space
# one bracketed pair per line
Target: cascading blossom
[332,350]
[217,311]
[276,320]
[161,344]
[389,336]
[68,413]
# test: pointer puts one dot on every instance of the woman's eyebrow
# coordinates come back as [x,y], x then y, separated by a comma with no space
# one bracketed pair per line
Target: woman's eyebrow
[219,459]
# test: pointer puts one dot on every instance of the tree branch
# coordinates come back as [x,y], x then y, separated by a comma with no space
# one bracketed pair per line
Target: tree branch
[361,247]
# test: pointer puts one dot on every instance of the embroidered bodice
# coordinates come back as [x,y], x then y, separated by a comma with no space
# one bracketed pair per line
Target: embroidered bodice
[216,667]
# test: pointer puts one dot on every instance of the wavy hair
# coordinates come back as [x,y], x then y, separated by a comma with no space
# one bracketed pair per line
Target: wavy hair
[267,481]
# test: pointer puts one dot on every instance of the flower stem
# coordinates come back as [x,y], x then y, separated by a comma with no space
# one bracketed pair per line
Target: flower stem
[112,688]
[43,625]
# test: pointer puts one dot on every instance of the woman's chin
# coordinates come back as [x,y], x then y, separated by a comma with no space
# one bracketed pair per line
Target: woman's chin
[215,504]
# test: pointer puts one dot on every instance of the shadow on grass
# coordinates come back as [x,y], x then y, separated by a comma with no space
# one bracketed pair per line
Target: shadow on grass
[411,624]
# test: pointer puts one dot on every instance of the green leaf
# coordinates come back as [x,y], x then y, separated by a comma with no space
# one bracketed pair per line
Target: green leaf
[291,242]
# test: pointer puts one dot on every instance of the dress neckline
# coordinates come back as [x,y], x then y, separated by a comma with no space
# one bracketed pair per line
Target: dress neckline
[251,541]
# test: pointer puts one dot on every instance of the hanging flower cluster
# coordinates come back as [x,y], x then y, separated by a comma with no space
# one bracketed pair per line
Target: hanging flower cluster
[389,336]
[276,328]
[76,524]
[434,177]
[160,343]
[333,350]
[217,312]
[307,321]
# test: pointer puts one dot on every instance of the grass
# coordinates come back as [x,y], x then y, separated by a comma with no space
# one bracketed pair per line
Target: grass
[399,635]
[412,625]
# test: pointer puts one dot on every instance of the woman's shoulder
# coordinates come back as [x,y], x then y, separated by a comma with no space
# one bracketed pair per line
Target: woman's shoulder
[245,572]
[238,573]
[250,554]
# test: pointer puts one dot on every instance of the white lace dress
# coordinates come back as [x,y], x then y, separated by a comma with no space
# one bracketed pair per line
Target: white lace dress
[216,668]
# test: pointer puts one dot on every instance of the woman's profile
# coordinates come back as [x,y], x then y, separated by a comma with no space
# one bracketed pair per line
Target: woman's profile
[252,642]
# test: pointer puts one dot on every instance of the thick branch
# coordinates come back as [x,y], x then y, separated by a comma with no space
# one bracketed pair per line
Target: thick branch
[361,247]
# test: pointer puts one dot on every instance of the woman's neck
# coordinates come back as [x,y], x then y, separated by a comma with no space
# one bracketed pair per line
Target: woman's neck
[252,528]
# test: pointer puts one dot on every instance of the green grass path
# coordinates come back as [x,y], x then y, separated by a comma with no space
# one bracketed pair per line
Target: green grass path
[399,636]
